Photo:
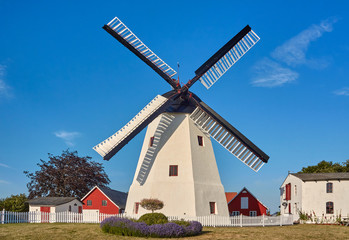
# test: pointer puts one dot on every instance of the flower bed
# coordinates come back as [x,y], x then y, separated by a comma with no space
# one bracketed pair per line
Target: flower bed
[127,227]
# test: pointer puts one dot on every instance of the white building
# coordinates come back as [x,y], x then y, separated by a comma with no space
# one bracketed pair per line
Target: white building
[55,204]
[324,196]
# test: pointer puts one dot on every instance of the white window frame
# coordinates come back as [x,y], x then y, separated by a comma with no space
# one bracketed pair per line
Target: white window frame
[244,203]
[253,213]
[235,213]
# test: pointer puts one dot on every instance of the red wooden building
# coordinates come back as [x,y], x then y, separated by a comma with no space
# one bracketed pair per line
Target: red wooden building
[246,204]
[104,200]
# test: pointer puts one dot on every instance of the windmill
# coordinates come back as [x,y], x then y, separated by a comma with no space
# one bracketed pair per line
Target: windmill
[177,163]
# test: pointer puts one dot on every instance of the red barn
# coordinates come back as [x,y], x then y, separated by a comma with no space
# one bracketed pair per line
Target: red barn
[104,200]
[246,204]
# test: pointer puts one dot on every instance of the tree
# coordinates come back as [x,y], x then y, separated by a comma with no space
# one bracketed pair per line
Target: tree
[152,204]
[15,203]
[327,167]
[66,175]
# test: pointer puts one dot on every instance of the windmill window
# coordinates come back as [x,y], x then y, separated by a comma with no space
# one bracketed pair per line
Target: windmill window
[104,202]
[89,202]
[329,207]
[136,207]
[244,203]
[151,142]
[212,208]
[253,213]
[200,141]
[173,170]
[329,187]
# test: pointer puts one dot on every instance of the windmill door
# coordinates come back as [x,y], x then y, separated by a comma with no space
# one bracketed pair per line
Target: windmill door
[45,214]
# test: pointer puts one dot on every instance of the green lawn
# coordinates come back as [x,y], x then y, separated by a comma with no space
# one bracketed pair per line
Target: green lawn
[51,231]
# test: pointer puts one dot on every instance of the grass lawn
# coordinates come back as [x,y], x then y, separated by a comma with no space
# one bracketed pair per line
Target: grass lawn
[51,231]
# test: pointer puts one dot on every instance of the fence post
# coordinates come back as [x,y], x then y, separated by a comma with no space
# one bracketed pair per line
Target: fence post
[241,220]
[280,220]
[263,219]
[3,216]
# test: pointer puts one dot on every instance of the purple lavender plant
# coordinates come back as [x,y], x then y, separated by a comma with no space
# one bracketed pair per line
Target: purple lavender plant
[126,227]
[194,228]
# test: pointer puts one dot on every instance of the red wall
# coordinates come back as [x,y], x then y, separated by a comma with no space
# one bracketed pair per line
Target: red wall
[97,196]
[253,205]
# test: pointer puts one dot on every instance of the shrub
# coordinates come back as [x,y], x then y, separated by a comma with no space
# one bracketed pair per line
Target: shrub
[166,230]
[181,222]
[193,229]
[303,216]
[152,204]
[153,218]
[126,227]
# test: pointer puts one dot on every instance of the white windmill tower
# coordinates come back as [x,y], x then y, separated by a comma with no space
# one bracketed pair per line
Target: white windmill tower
[177,163]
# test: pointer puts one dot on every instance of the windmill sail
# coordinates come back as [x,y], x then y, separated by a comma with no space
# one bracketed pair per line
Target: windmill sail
[152,151]
[229,137]
[226,57]
[125,36]
[114,143]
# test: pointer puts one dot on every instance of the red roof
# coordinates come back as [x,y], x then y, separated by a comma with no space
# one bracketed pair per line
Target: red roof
[230,196]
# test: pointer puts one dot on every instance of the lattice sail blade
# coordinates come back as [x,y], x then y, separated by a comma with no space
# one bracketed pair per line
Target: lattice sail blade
[165,121]
[123,34]
[226,57]
[226,135]
[114,143]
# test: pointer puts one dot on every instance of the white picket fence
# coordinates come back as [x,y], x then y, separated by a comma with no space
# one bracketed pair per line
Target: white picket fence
[92,217]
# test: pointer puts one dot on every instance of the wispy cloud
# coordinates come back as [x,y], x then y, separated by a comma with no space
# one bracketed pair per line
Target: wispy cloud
[271,74]
[342,92]
[4,182]
[4,88]
[68,137]
[279,71]
[293,51]
[4,165]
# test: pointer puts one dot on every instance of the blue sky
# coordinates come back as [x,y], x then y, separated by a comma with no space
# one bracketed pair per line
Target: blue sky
[66,83]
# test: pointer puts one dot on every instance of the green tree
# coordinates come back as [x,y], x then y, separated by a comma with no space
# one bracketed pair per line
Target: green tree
[15,203]
[152,204]
[66,175]
[327,167]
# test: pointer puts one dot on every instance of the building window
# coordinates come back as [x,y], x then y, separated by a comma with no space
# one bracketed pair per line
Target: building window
[295,190]
[200,141]
[173,170]
[329,187]
[151,142]
[212,207]
[244,203]
[136,207]
[235,213]
[104,202]
[253,213]
[329,207]
[89,202]
[69,208]
[288,191]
